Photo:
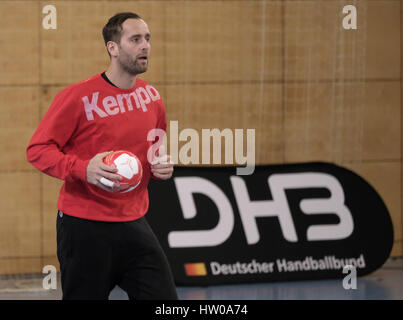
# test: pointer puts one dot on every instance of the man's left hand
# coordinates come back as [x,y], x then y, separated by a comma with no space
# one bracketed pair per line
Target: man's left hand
[162,167]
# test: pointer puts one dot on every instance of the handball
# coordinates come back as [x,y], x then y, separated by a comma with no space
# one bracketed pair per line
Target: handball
[129,168]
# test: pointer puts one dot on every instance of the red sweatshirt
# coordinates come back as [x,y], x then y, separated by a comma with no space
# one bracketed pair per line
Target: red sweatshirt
[91,117]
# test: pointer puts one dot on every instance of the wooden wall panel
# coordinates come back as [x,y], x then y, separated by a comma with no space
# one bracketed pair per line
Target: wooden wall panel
[246,106]
[316,44]
[19,45]
[382,121]
[322,122]
[48,93]
[214,41]
[12,266]
[20,215]
[383,40]
[305,33]
[75,50]
[317,47]
[19,118]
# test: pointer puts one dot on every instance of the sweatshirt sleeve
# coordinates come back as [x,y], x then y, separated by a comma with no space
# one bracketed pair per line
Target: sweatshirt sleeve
[44,150]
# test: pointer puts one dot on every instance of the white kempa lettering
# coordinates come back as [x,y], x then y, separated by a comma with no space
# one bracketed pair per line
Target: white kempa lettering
[153,93]
[89,107]
[144,98]
[120,98]
[133,96]
[109,103]
[117,104]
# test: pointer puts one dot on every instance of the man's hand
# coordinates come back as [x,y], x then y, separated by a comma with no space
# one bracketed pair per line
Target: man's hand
[162,167]
[97,169]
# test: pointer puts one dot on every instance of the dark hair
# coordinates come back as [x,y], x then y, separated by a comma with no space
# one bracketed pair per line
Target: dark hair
[112,31]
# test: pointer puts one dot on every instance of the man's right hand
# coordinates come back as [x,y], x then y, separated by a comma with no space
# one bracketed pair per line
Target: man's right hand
[97,169]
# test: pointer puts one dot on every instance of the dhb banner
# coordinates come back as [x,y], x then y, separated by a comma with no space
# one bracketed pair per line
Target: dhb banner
[283,222]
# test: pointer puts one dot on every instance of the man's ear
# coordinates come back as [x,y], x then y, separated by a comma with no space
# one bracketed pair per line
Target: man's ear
[112,48]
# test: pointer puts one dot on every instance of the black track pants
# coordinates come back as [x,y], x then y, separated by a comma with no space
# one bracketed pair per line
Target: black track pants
[95,256]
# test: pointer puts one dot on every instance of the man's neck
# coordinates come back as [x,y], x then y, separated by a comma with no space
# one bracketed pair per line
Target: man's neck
[120,78]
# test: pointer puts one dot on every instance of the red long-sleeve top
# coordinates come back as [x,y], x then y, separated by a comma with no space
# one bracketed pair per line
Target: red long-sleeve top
[88,118]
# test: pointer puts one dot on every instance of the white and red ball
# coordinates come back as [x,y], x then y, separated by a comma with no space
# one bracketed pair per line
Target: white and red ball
[129,168]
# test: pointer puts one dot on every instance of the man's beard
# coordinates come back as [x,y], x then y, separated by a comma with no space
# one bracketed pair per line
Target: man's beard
[133,67]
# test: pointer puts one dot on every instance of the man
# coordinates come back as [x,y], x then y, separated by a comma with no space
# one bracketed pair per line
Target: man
[103,239]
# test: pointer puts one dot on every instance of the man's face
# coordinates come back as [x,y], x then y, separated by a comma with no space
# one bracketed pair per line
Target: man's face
[134,47]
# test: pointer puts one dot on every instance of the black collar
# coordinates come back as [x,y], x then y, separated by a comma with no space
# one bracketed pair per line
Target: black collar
[107,80]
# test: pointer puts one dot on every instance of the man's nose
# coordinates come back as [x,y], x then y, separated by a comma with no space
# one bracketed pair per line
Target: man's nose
[145,45]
